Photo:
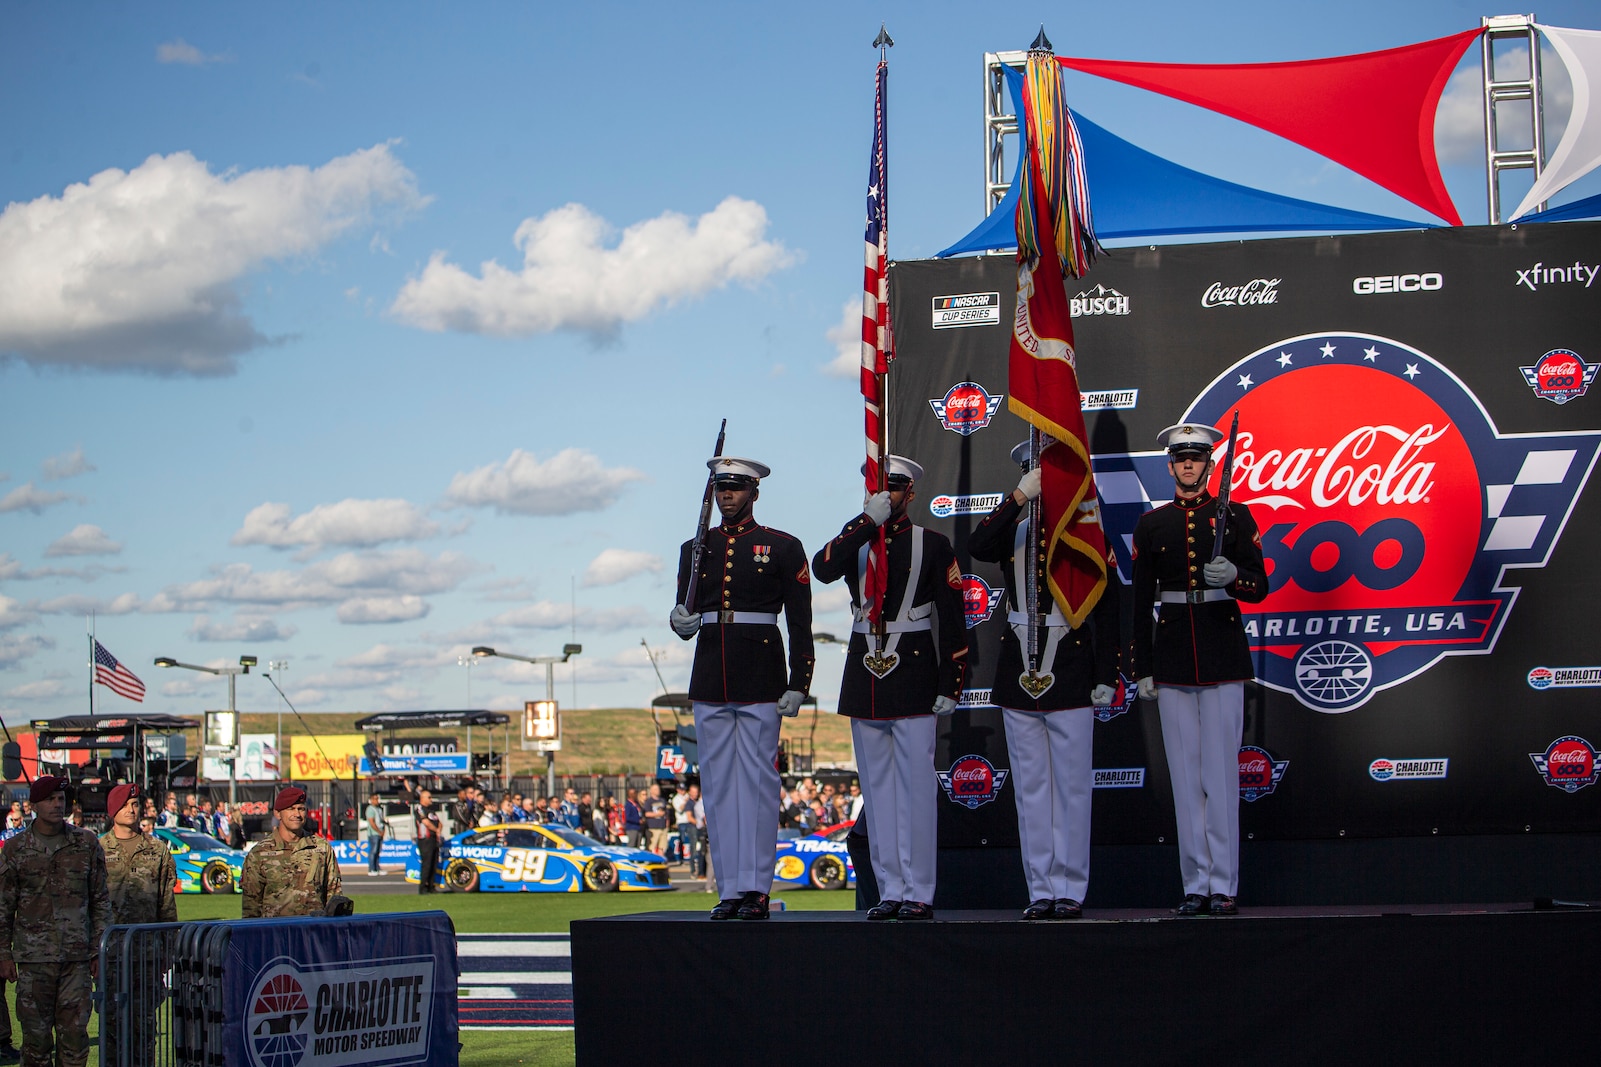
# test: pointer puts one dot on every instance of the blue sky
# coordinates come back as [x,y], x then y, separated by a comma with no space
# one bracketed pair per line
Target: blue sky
[259,393]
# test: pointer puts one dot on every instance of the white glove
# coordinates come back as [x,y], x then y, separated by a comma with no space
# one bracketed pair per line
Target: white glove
[1029,484]
[1148,688]
[1102,696]
[877,508]
[944,705]
[790,703]
[684,622]
[1219,572]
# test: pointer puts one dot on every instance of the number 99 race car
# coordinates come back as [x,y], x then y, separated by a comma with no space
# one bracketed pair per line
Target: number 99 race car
[203,864]
[530,858]
[820,860]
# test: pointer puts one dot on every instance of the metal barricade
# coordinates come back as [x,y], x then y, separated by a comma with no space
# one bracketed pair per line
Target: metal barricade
[160,995]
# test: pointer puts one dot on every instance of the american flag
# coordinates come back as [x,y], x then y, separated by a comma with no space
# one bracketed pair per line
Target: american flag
[877,340]
[114,676]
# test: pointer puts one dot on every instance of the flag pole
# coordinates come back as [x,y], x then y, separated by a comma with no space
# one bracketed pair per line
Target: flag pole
[91,664]
[883,42]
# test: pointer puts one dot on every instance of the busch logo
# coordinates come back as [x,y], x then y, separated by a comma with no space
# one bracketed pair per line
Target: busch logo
[972,781]
[1560,376]
[1389,507]
[1098,301]
[1568,764]
[1260,773]
[979,600]
[966,408]
[1256,291]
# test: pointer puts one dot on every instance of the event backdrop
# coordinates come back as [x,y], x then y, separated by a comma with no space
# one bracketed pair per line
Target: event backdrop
[1417,430]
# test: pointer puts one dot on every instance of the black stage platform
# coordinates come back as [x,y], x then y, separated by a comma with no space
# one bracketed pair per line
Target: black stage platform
[1445,984]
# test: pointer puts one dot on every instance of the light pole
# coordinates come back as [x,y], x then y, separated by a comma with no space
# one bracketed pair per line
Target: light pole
[469,662]
[278,666]
[567,652]
[232,753]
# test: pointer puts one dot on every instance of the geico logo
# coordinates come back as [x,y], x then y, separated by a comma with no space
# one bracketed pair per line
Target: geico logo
[1397,283]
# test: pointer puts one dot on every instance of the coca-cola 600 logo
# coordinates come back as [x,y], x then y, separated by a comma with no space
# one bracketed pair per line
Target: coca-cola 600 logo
[1389,507]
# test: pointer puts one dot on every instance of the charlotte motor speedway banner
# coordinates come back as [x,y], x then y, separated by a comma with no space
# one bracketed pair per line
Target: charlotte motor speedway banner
[371,990]
[1418,426]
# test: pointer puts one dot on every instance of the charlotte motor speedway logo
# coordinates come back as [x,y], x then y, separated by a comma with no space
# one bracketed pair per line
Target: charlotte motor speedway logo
[345,1012]
[1390,509]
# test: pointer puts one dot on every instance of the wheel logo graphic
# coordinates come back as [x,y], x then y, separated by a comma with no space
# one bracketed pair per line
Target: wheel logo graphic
[1333,673]
[276,1017]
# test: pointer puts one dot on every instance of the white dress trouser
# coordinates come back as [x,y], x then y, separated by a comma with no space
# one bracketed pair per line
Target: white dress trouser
[1201,730]
[895,760]
[1052,774]
[739,785]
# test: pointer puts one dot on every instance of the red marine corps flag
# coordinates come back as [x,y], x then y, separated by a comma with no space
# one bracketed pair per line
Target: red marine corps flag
[1055,236]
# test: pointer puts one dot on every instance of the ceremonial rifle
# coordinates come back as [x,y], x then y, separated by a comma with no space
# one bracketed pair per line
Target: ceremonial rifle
[697,553]
[1223,487]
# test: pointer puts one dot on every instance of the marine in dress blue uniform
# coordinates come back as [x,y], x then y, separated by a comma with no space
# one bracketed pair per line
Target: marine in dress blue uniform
[894,693]
[1049,732]
[1194,660]
[741,683]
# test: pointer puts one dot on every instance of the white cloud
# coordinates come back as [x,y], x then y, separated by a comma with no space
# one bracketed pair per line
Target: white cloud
[26,498]
[380,665]
[355,523]
[48,689]
[78,604]
[14,614]
[512,590]
[135,270]
[240,629]
[345,576]
[572,480]
[181,51]
[549,615]
[382,609]
[570,279]
[180,687]
[1459,122]
[846,337]
[84,539]
[14,648]
[830,599]
[615,565]
[66,465]
[543,615]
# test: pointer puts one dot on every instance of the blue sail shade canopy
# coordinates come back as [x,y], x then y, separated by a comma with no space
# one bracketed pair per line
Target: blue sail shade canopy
[1588,208]
[1134,193]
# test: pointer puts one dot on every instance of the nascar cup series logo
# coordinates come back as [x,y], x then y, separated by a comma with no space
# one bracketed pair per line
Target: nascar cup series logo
[1260,773]
[972,781]
[979,599]
[1568,763]
[347,1012]
[966,408]
[1389,505]
[1560,376]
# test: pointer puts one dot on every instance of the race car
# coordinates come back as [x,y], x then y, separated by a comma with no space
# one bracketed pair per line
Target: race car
[530,858]
[819,860]
[205,865]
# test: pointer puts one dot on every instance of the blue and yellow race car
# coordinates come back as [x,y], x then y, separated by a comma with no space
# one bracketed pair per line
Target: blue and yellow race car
[821,860]
[204,864]
[532,858]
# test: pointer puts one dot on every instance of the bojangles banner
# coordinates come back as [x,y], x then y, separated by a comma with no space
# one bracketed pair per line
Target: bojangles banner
[1042,372]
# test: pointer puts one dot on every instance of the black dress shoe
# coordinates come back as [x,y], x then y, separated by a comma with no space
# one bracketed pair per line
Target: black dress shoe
[754,907]
[884,909]
[1040,909]
[1194,904]
[1067,908]
[1222,904]
[727,909]
[915,909]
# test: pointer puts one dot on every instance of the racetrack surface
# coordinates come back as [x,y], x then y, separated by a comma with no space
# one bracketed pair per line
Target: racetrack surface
[515,981]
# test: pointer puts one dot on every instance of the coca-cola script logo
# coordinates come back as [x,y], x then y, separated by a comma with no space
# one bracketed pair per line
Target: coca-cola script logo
[1389,506]
[1560,375]
[966,408]
[1260,773]
[1568,763]
[972,781]
[1255,291]
[979,599]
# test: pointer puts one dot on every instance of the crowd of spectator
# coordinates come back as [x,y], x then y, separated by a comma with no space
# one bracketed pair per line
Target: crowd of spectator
[222,821]
[809,807]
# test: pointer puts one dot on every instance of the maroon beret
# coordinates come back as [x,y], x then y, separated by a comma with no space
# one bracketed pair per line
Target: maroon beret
[288,797]
[121,795]
[46,785]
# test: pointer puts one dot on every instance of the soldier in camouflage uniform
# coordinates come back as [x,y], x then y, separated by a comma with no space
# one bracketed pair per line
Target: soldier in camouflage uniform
[140,876]
[54,909]
[293,872]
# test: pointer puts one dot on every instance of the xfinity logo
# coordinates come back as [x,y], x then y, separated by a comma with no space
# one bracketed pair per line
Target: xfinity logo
[1256,291]
[1397,283]
[1540,274]
[1100,300]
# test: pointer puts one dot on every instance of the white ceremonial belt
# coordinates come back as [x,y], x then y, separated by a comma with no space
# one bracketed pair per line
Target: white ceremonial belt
[1054,619]
[1199,596]
[753,618]
[862,626]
